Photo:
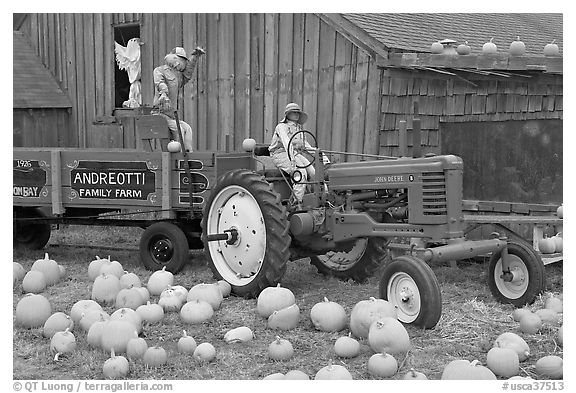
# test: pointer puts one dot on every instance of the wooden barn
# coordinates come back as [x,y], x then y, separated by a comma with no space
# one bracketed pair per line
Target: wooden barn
[357,76]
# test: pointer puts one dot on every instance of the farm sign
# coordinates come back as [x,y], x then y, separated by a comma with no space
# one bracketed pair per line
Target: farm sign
[29,178]
[112,180]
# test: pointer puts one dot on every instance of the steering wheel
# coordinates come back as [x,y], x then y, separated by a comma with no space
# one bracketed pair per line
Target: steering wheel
[308,155]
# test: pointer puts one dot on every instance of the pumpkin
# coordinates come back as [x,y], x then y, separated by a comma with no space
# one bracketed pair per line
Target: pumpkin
[150,312]
[196,311]
[33,311]
[91,317]
[240,334]
[548,316]
[186,344]
[530,323]
[280,349]
[57,322]
[285,319]
[127,314]
[144,292]
[519,312]
[113,268]
[50,269]
[34,282]
[225,288]
[174,146]
[94,268]
[347,347]
[62,343]
[367,311]
[273,299]
[94,336]
[558,243]
[461,369]
[274,376]
[130,280]
[18,271]
[82,307]
[159,280]
[463,49]
[170,301]
[205,352]
[503,362]
[490,47]
[515,342]
[105,289]
[115,367]
[328,316]
[129,297]
[551,50]
[382,365]
[116,334]
[546,245]
[333,371]
[180,291]
[210,293]
[136,348]
[388,335]
[413,375]
[517,48]
[560,336]
[296,374]
[436,48]
[550,366]
[155,356]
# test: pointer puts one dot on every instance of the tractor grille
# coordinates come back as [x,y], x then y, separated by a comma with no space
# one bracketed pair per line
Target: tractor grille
[434,194]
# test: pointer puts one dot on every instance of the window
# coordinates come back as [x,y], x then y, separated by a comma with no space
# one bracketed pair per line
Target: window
[122,34]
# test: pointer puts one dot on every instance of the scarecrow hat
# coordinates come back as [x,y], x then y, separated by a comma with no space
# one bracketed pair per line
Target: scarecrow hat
[292,107]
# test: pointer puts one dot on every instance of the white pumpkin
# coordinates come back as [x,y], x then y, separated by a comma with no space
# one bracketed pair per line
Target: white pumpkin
[273,299]
[159,281]
[367,311]
[328,316]
[210,293]
[388,335]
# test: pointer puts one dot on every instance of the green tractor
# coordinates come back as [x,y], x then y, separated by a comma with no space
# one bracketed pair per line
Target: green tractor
[349,224]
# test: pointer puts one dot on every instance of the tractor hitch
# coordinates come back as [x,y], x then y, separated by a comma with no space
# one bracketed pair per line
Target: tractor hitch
[229,235]
[463,249]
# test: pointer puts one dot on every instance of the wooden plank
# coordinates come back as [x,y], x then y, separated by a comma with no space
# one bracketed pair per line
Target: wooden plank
[327,42]
[188,39]
[341,93]
[297,89]
[100,57]
[285,48]
[108,61]
[78,39]
[56,195]
[241,80]
[166,186]
[212,109]
[89,79]
[256,63]
[358,90]
[147,61]
[226,79]
[371,130]
[270,72]
[201,87]
[71,74]
[311,50]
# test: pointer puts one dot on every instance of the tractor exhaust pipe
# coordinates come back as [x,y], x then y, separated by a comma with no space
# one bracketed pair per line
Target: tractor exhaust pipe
[416,134]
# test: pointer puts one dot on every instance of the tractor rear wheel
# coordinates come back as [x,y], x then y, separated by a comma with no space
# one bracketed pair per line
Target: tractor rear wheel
[32,232]
[528,275]
[412,287]
[357,263]
[244,203]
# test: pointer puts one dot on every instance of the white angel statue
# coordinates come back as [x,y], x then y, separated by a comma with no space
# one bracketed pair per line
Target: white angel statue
[128,59]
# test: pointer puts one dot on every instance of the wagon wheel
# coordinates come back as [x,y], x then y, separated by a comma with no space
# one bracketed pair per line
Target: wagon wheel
[357,263]
[30,234]
[309,156]
[411,285]
[246,232]
[164,244]
[527,278]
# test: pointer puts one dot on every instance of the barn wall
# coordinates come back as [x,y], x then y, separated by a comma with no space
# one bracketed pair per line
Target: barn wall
[51,128]
[255,65]
[451,100]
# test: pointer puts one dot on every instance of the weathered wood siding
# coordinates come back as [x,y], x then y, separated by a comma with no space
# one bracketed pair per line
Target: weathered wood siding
[51,128]
[451,100]
[255,64]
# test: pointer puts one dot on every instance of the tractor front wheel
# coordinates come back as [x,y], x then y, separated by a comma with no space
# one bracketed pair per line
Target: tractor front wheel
[357,263]
[244,205]
[412,287]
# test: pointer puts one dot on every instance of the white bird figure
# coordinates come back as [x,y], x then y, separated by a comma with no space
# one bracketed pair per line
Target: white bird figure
[128,59]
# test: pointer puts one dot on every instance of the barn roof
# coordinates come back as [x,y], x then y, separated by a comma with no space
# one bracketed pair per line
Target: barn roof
[415,32]
[34,86]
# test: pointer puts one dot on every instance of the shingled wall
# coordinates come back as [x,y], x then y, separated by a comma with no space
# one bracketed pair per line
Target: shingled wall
[471,99]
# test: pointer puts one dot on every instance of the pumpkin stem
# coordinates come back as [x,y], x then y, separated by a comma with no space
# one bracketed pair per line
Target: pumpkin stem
[553,41]
[325,299]
[278,339]
[518,38]
[372,298]
[491,39]
[112,354]
[474,362]
[413,372]
[46,256]
[56,357]
[184,333]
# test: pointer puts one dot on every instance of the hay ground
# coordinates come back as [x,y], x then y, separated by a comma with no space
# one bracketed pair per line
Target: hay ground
[470,322]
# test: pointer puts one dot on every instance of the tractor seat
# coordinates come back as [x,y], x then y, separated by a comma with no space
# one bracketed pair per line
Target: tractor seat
[261,150]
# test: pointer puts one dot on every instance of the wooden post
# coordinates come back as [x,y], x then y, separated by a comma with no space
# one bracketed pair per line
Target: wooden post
[402,139]
[416,134]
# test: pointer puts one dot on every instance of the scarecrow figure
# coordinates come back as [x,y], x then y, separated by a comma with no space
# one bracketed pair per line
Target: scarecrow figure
[169,80]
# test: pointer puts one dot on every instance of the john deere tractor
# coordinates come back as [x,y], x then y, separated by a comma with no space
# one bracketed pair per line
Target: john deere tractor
[396,215]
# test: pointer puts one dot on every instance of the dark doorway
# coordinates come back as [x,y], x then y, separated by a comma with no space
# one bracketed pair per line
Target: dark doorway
[123,33]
